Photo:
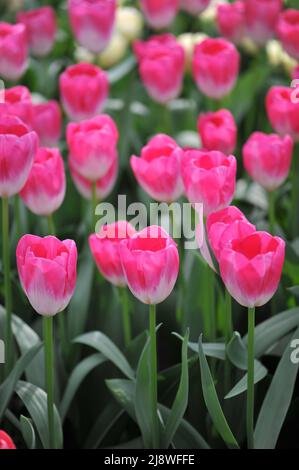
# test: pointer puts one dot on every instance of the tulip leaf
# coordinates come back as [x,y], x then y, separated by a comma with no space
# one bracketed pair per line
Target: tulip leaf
[105,421]
[271,330]
[121,70]
[237,353]
[35,400]
[186,436]
[101,342]
[28,432]
[277,400]
[26,337]
[260,373]
[8,386]
[212,402]
[181,400]
[76,378]
[216,350]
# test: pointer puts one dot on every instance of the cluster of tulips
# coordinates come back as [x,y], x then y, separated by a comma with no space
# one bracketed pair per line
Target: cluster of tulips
[249,261]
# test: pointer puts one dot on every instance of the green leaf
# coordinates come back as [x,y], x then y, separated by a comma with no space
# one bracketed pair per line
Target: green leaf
[143,402]
[260,373]
[216,350]
[277,401]
[121,70]
[181,400]
[105,421]
[35,400]
[26,337]
[104,345]
[78,307]
[124,393]
[8,386]
[212,402]
[271,330]
[76,378]
[28,432]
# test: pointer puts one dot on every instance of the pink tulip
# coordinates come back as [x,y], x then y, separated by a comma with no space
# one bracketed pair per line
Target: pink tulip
[47,122]
[218,131]
[226,225]
[41,29]
[13,51]
[104,185]
[261,18]
[150,262]
[159,14]
[92,22]
[158,168]
[288,31]
[6,442]
[267,159]
[47,269]
[18,146]
[231,20]
[209,178]
[44,190]
[282,104]
[92,146]
[194,7]
[105,250]
[161,66]
[17,102]
[215,67]
[84,89]
[251,268]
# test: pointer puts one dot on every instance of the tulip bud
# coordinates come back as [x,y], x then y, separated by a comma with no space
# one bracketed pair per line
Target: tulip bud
[6,442]
[47,270]
[231,20]
[41,29]
[288,31]
[47,122]
[194,7]
[17,102]
[261,18]
[159,14]
[13,51]
[218,131]
[129,23]
[44,190]
[283,110]
[150,262]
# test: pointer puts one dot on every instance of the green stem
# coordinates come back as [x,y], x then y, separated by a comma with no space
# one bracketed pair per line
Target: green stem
[49,371]
[272,212]
[153,376]
[250,379]
[123,293]
[94,205]
[17,216]
[7,284]
[228,325]
[51,225]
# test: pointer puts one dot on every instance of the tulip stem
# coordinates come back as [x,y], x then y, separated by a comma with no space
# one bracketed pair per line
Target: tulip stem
[51,225]
[7,284]
[153,376]
[123,293]
[228,325]
[94,206]
[17,216]
[49,371]
[250,379]
[272,212]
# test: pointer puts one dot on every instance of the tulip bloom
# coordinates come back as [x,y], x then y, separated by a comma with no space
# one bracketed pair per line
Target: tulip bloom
[226,225]
[150,262]
[105,249]
[17,102]
[261,18]
[161,66]
[194,7]
[251,268]
[18,146]
[41,29]
[209,178]
[47,122]
[84,89]
[44,190]
[6,442]
[267,159]
[104,185]
[47,269]
[159,14]
[283,110]
[92,146]
[216,67]
[218,131]
[231,20]
[288,32]
[92,22]
[158,168]
[13,51]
